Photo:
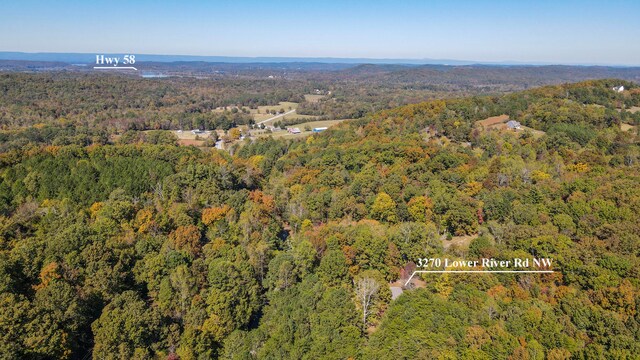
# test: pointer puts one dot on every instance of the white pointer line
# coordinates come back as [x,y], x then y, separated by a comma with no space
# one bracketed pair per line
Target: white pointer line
[114,67]
[479,271]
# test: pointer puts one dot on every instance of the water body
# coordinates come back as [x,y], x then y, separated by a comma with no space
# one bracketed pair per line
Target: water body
[153,75]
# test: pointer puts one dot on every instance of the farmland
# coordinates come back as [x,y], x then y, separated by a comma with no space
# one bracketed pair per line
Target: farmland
[305,129]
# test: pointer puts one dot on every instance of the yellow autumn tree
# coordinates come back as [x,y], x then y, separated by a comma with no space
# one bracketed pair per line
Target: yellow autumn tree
[235,133]
[421,208]
[384,208]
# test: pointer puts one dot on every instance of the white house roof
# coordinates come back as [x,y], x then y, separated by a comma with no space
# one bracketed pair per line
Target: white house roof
[513,124]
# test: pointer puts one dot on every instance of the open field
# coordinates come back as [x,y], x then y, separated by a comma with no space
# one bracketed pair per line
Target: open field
[492,121]
[296,116]
[262,112]
[188,142]
[187,138]
[285,134]
[312,98]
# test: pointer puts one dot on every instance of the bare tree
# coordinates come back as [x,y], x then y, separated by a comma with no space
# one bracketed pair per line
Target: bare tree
[503,180]
[526,176]
[158,191]
[496,230]
[366,292]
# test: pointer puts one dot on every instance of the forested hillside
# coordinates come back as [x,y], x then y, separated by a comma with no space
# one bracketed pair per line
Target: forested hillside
[150,250]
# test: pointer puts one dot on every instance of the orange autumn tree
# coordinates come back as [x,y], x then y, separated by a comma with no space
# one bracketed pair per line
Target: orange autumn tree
[48,273]
[212,215]
[186,238]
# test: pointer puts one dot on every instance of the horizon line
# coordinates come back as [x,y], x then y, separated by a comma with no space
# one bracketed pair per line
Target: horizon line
[327,59]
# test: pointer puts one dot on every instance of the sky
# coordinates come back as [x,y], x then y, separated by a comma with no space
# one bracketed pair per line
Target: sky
[558,32]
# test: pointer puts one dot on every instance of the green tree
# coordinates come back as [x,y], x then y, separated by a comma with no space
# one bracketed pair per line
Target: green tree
[14,313]
[233,298]
[127,328]
[57,321]
[333,267]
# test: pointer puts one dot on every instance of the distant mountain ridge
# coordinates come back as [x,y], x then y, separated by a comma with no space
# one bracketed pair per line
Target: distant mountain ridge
[90,58]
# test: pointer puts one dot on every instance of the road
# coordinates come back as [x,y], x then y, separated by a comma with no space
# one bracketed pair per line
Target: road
[277,116]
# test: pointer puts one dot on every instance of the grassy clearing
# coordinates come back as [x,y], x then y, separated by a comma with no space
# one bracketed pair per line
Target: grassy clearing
[459,241]
[313,98]
[536,133]
[626,127]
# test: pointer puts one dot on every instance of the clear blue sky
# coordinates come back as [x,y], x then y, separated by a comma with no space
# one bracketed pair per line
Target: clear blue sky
[604,32]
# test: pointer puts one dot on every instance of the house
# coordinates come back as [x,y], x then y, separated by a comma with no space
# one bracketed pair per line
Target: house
[618,88]
[513,125]
[293,130]
[319,129]
[396,291]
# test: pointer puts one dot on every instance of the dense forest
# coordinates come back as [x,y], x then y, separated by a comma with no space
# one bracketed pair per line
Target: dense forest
[152,250]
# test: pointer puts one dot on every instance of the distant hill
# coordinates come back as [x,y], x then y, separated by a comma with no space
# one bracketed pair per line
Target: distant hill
[475,75]
[496,77]
[90,57]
